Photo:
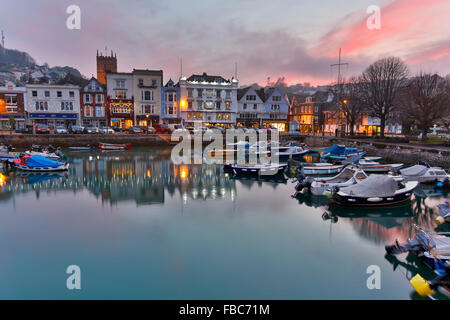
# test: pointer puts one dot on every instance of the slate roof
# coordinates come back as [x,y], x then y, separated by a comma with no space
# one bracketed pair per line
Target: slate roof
[207,78]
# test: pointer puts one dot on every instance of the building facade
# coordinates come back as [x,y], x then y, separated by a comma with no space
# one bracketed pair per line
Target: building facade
[170,103]
[276,109]
[53,104]
[120,99]
[147,86]
[208,100]
[93,105]
[251,106]
[308,113]
[12,107]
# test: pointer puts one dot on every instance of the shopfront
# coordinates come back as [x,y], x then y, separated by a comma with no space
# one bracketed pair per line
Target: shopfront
[16,121]
[147,120]
[54,119]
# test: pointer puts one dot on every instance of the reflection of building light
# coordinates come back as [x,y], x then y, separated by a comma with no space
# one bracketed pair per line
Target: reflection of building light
[2,180]
[149,173]
[90,158]
[183,172]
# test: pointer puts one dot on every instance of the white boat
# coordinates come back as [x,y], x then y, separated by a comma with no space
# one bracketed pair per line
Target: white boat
[423,173]
[347,177]
[320,168]
[111,146]
[373,166]
[50,155]
[256,169]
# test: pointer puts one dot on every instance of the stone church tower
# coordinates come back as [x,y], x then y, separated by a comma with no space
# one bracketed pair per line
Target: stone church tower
[105,64]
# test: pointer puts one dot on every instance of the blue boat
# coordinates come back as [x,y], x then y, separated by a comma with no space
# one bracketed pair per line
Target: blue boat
[40,164]
[338,152]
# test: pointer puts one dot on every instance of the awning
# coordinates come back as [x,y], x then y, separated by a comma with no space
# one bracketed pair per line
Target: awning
[53,115]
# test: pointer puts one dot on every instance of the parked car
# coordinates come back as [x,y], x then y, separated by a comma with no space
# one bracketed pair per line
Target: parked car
[42,129]
[77,129]
[61,130]
[162,128]
[179,128]
[91,129]
[151,130]
[106,130]
[118,129]
[135,130]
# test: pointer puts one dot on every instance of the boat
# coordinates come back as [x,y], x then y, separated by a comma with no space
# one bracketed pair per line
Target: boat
[423,173]
[429,288]
[320,168]
[374,158]
[295,153]
[348,176]
[256,169]
[339,152]
[373,166]
[444,213]
[111,146]
[443,183]
[87,148]
[376,190]
[38,163]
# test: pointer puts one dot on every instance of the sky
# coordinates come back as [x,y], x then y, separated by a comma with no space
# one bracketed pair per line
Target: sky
[294,40]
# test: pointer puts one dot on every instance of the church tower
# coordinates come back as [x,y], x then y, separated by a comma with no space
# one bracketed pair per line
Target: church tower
[105,64]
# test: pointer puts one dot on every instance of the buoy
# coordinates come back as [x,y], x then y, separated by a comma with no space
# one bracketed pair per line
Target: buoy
[439,220]
[421,286]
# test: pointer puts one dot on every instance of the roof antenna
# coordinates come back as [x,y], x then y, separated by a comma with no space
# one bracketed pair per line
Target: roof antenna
[181,68]
[235,70]
[3,39]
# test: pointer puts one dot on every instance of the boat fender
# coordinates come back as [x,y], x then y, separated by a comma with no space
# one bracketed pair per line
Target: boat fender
[439,220]
[421,286]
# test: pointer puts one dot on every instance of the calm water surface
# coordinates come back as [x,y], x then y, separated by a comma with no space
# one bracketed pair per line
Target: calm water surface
[141,227]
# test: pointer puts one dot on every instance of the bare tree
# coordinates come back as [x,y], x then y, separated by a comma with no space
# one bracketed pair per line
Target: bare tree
[380,83]
[425,100]
[351,103]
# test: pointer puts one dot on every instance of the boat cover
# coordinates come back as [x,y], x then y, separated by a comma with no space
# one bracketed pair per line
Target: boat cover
[442,246]
[373,186]
[41,161]
[335,149]
[416,170]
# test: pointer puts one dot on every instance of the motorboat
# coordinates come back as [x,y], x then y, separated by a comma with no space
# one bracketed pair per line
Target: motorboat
[339,152]
[319,168]
[444,213]
[48,152]
[38,163]
[111,146]
[295,153]
[347,177]
[373,166]
[87,148]
[423,173]
[256,169]
[376,190]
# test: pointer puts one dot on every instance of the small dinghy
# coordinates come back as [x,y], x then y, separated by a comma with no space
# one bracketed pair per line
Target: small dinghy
[39,163]
[320,168]
[256,169]
[444,213]
[111,146]
[339,152]
[347,177]
[376,190]
[423,173]
[295,153]
[87,148]
[373,166]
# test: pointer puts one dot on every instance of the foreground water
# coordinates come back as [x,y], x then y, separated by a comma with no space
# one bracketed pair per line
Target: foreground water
[140,227]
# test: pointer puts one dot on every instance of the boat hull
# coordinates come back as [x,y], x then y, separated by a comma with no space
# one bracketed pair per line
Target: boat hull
[350,200]
[63,167]
[109,146]
[258,171]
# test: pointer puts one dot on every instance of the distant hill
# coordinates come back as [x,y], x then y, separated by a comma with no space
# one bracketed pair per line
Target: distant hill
[14,58]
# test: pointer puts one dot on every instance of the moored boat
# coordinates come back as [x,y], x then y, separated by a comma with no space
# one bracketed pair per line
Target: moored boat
[112,146]
[38,163]
[87,148]
[376,190]
[444,213]
[423,173]
[256,169]
[320,168]
[373,166]
[339,152]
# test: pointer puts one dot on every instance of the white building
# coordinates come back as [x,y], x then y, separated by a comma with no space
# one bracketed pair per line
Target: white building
[251,107]
[209,100]
[53,104]
[147,86]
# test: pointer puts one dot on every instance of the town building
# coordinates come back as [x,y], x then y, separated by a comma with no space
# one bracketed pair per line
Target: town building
[208,100]
[120,99]
[53,104]
[251,106]
[308,112]
[170,103]
[147,86]
[105,64]
[93,104]
[12,106]
[276,109]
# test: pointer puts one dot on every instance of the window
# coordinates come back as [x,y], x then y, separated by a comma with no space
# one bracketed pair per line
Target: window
[11,100]
[275,107]
[171,110]
[189,93]
[71,94]
[251,97]
[199,92]
[245,106]
[66,105]
[171,97]
[199,104]
[228,105]
[47,93]
[121,95]
[141,82]
[34,93]
[41,106]
[148,108]
[190,105]
[87,98]
[59,94]
[276,98]
[255,106]
[99,111]
[153,83]
[120,83]
[99,98]
[147,95]
[87,111]
[228,94]
[218,103]
[218,93]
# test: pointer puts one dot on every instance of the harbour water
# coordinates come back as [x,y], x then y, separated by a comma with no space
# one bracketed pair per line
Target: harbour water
[141,227]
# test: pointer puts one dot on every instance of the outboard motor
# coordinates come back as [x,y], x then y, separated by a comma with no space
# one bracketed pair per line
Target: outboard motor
[59,153]
[303,183]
